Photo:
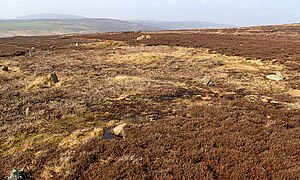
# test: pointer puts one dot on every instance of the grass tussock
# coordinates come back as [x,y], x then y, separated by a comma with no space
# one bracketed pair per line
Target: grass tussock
[42,82]
[108,43]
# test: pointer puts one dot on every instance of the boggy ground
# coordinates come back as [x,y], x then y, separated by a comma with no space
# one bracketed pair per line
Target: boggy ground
[242,126]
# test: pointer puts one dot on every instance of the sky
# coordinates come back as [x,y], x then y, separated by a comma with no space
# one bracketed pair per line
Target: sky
[233,12]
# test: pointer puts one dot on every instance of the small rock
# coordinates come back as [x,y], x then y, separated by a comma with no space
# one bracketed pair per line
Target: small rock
[144,37]
[4,68]
[275,77]
[119,130]
[76,44]
[54,78]
[52,47]
[140,38]
[206,80]
[148,37]
[30,53]
[107,135]
[17,175]
[27,112]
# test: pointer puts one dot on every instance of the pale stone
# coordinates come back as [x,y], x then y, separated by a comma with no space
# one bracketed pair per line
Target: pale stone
[206,80]
[119,130]
[274,77]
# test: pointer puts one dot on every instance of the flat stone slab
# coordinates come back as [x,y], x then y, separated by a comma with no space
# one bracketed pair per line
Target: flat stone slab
[275,77]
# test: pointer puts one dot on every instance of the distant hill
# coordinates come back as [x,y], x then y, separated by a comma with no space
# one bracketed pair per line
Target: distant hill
[49,16]
[56,24]
[178,25]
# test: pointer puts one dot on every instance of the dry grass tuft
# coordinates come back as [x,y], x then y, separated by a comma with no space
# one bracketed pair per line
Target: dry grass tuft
[80,136]
[26,142]
[43,82]
[139,58]
[108,43]
[294,92]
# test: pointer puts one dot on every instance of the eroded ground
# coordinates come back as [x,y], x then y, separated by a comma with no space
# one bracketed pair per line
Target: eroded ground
[242,126]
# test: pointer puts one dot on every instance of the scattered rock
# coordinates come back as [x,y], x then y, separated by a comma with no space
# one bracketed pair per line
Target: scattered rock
[119,130]
[276,77]
[144,37]
[54,78]
[148,37]
[31,50]
[27,112]
[140,38]
[107,135]
[4,68]
[19,175]
[206,80]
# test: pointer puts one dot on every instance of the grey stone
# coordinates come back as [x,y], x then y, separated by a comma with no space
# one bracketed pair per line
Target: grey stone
[27,112]
[141,38]
[275,77]
[17,175]
[30,53]
[148,37]
[108,136]
[144,37]
[206,80]
[53,77]
[4,68]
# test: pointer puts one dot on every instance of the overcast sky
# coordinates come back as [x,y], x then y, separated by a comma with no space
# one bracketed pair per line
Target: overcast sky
[234,12]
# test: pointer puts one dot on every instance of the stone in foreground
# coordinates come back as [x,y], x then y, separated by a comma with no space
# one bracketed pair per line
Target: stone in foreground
[4,68]
[108,136]
[119,130]
[275,77]
[206,80]
[17,175]
[54,78]
[144,37]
